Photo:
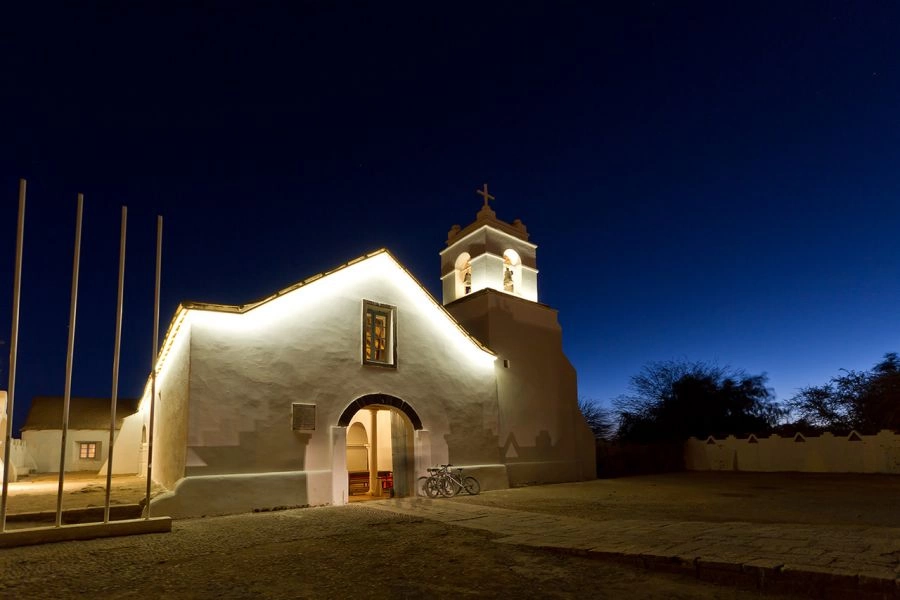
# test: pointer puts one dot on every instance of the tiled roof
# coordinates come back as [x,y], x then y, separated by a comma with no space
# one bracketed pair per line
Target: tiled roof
[84,413]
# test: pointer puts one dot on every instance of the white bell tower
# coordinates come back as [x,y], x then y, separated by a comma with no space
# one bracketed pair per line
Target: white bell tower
[489,279]
[489,253]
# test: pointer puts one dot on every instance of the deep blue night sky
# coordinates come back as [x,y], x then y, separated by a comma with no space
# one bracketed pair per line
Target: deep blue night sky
[714,182]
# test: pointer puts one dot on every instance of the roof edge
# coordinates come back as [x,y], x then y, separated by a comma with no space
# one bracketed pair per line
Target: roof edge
[187,306]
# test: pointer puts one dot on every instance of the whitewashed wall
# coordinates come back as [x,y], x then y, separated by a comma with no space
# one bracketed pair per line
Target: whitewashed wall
[127,453]
[44,449]
[44,446]
[20,459]
[170,451]
[816,454]
[245,371]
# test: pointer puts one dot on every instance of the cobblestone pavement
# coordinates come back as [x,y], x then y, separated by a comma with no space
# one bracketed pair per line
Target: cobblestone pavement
[330,552]
[838,560]
[684,535]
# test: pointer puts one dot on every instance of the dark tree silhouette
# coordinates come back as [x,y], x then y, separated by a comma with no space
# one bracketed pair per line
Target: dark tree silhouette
[675,400]
[599,418]
[863,400]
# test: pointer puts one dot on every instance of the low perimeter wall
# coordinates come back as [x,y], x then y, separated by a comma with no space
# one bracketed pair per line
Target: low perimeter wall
[20,459]
[826,453]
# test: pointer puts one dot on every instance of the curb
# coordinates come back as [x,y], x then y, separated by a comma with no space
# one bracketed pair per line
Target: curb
[117,512]
[759,574]
[84,531]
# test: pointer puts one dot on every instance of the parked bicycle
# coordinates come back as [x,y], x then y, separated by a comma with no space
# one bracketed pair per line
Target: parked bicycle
[442,481]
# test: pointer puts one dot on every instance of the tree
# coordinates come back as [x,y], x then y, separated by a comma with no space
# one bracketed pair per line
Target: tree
[675,400]
[598,418]
[862,400]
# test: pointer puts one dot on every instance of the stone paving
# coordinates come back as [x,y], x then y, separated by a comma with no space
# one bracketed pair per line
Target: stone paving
[843,561]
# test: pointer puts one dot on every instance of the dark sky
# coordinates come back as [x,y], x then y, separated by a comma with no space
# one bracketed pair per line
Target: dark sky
[712,181]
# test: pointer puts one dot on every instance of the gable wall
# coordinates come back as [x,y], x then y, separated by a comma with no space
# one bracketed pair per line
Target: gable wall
[307,347]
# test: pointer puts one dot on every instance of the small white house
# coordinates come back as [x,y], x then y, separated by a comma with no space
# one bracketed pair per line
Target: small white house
[88,434]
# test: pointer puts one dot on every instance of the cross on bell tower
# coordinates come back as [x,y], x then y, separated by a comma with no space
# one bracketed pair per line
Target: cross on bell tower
[484,193]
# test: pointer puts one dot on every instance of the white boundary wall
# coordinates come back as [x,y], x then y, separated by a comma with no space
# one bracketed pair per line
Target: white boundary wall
[827,453]
[20,459]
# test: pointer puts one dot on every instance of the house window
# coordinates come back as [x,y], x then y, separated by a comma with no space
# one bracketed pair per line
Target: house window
[378,334]
[88,450]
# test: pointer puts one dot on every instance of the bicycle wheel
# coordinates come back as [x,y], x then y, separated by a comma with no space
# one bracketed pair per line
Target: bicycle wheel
[471,485]
[432,487]
[420,486]
[450,487]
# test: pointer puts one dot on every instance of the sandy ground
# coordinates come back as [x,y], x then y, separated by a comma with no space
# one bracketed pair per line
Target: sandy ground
[38,493]
[339,552]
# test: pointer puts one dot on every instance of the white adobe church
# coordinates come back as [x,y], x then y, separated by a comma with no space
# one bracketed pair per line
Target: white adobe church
[357,380]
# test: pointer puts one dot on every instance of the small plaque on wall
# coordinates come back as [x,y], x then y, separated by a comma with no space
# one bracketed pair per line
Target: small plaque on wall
[303,417]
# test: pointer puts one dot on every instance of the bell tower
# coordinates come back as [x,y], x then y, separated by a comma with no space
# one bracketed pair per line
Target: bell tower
[488,253]
[489,279]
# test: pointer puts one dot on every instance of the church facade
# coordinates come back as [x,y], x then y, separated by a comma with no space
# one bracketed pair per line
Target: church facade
[356,380]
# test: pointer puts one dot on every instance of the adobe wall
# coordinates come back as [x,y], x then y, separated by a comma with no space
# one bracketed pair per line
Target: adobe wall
[543,436]
[244,371]
[827,453]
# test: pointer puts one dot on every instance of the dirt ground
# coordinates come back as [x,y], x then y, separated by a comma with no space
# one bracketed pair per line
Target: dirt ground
[337,552]
[38,493]
[802,498]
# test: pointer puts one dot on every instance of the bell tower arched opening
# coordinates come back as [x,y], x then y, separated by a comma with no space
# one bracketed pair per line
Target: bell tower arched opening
[463,277]
[512,272]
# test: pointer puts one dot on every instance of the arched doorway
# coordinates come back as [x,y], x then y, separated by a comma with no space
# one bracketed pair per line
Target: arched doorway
[377,456]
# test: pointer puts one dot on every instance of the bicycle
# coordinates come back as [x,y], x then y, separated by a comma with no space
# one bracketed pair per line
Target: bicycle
[441,481]
[429,486]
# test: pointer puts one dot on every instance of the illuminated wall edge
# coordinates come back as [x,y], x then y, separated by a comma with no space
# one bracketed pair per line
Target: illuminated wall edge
[382,260]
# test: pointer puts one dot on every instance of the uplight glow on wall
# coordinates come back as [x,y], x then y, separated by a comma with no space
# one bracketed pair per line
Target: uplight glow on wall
[318,291]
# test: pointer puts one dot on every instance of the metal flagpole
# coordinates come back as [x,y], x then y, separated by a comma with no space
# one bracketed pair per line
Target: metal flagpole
[69,352]
[159,227]
[116,354]
[13,348]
